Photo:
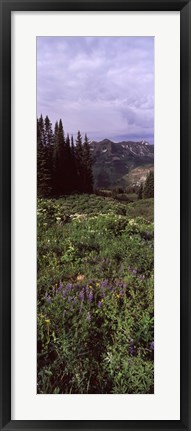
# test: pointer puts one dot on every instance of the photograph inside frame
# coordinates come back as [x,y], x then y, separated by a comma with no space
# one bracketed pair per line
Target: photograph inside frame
[95,215]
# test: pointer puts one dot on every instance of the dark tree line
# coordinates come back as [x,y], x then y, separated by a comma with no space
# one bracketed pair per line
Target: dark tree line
[63,167]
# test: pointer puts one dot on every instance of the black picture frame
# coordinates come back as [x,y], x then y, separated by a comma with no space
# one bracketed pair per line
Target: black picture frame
[184,6]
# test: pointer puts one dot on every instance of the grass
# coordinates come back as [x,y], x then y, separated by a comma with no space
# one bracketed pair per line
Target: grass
[95,295]
[142,208]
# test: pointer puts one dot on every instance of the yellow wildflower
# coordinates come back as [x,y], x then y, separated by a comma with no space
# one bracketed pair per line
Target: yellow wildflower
[80,277]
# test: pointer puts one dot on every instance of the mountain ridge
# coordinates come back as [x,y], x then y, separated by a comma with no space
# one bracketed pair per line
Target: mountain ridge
[113,161]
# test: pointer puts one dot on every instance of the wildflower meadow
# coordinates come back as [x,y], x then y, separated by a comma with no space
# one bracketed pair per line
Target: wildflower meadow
[95,298]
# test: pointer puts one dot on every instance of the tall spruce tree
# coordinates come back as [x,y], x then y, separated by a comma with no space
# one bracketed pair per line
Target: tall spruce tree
[68,166]
[49,141]
[55,160]
[87,167]
[58,159]
[73,176]
[43,176]
[39,159]
[79,161]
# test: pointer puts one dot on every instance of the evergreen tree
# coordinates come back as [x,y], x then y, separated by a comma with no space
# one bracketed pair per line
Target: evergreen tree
[62,167]
[68,143]
[48,134]
[40,122]
[43,177]
[58,159]
[68,166]
[49,141]
[73,175]
[79,162]
[72,146]
[39,159]
[87,167]
[140,192]
[55,160]
[149,186]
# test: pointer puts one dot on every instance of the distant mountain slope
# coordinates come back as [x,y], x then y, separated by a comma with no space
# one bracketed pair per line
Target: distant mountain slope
[112,161]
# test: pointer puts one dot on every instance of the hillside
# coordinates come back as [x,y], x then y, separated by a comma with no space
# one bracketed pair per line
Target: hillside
[113,161]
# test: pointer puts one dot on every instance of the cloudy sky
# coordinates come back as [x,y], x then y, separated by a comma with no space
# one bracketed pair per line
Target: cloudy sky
[103,86]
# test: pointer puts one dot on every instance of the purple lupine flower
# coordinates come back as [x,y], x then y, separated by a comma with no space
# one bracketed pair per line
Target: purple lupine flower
[64,293]
[99,304]
[90,297]
[68,286]
[60,287]
[134,271]
[81,295]
[88,317]
[69,298]
[152,345]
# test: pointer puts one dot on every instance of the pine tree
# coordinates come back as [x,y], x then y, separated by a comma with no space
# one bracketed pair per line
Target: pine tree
[49,141]
[41,128]
[55,160]
[149,186]
[39,158]
[87,167]
[67,166]
[140,191]
[58,159]
[72,146]
[43,177]
[62,167]
[79,161]
[73,172]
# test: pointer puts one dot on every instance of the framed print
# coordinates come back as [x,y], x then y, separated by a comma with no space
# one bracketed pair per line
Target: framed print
[95,215]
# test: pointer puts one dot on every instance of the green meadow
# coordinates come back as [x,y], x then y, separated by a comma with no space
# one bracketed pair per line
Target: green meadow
[95,295]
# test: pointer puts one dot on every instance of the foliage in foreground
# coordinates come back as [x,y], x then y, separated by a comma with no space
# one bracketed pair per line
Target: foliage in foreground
[95,297]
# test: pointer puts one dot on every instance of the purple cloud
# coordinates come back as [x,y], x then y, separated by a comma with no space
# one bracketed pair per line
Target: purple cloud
[103,86]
